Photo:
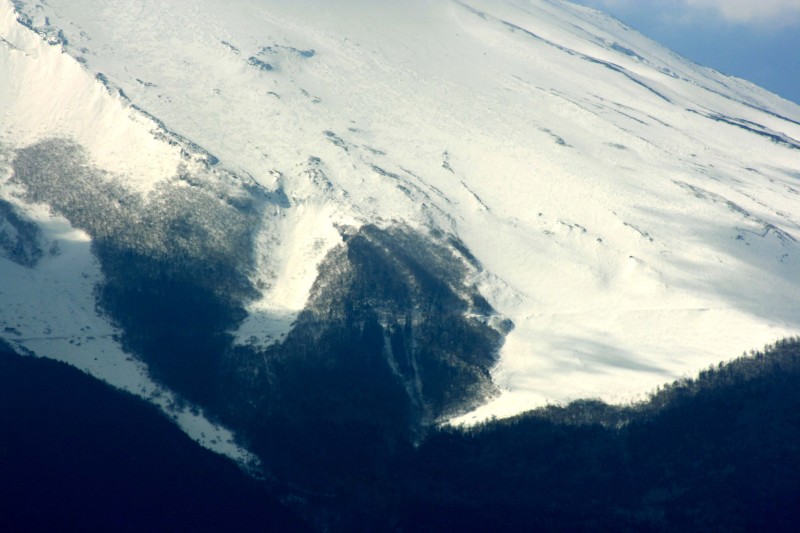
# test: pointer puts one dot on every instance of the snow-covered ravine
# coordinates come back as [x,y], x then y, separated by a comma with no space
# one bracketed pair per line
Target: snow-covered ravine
[637,216]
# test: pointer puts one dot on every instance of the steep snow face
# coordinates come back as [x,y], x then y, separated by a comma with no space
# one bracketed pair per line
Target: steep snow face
[48,94]
[48,273]
[636,215]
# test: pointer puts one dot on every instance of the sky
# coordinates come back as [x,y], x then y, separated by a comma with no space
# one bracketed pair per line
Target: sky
[758,40]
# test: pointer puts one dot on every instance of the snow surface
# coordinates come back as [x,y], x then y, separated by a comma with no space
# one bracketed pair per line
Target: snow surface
[636,215]
[50,310]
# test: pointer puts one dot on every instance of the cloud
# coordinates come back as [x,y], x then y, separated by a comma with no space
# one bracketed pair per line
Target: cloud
[781,13]
[758,11]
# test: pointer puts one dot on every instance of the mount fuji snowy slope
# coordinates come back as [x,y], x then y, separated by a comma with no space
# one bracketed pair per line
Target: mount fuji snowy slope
[635,216]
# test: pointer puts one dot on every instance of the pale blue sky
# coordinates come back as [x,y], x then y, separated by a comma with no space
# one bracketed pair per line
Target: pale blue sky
[758,40]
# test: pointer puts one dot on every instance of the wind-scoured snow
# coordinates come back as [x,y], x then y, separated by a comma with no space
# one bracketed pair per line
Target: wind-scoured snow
[637,216]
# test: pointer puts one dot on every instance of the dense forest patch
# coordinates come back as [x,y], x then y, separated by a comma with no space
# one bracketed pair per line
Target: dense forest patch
[718,452]
[78,455]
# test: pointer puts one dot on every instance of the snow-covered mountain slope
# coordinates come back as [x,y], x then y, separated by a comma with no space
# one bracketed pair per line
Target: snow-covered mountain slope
[636,216]
[47,271]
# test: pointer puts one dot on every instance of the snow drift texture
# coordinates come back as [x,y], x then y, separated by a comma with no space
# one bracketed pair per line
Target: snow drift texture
[614,216]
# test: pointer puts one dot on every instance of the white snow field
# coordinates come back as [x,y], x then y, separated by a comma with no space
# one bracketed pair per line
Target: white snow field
[637,216]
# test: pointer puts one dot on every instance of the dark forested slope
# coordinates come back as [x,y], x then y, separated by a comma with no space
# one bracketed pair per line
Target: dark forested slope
[77,455]
[717,453]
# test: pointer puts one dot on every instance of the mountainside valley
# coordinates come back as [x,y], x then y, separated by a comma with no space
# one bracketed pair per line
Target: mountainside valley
[424,266]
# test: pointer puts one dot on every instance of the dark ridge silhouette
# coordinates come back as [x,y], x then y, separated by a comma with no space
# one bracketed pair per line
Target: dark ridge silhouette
[717,453]
[720,452]
[78,455]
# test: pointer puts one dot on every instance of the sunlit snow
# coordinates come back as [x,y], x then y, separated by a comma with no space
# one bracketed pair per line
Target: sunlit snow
[637,215]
